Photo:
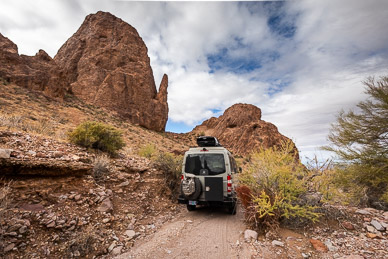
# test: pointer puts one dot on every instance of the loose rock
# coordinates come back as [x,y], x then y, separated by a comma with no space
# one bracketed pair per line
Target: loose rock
[377,225]
[106,205]
[250,234]
[9,247]
[318,245]
[5,153]
[277,243]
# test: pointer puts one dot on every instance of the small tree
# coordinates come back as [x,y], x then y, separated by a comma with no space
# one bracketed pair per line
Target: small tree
[97,135]
[360,140]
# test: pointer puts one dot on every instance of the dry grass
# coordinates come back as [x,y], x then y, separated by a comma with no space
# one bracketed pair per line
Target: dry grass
[5,198]
[101,167]
[23,110]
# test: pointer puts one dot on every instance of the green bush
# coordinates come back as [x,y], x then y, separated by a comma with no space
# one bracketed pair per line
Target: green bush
[324,178]
[275,182]
[97,135]
[147,151]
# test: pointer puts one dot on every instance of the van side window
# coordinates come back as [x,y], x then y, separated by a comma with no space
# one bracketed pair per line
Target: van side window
[233,165]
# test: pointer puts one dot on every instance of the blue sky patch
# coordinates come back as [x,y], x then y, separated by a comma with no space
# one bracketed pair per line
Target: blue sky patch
[223,61]
[177,127]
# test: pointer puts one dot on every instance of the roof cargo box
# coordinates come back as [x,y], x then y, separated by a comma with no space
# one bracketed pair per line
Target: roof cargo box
[207,141]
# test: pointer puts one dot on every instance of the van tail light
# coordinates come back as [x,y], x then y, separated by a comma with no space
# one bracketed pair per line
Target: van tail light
[182,177]
[229,184]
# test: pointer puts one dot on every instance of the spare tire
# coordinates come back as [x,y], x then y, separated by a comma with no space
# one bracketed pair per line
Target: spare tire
[194,192]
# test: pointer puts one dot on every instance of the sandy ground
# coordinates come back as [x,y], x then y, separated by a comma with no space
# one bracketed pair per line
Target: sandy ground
[203,233]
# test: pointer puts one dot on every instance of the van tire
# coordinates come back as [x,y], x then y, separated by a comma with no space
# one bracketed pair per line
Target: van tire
[232,209]
[197,192]
[190,207]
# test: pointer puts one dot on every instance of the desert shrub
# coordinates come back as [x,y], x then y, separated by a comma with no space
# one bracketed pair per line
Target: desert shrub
[84,244]
[97,135]
[148,151]
[171,166]
[100,167]
[275,181]
[323,177]
[360,141]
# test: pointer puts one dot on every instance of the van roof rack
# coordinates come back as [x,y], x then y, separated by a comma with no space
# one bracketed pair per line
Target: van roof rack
[208,141]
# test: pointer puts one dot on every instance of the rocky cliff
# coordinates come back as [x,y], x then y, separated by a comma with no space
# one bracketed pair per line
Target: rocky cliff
[38,72]
[241,129]
[105,63]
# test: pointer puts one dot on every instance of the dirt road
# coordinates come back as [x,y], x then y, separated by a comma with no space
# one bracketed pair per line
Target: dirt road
[204,233]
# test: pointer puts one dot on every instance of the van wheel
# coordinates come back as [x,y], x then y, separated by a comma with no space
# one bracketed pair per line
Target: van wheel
[190,207]
[232,209]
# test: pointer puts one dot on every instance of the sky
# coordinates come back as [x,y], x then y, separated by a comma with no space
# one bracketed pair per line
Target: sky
[300,62]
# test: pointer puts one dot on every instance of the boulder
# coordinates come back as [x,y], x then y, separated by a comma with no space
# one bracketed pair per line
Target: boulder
[105,63]
[241,130]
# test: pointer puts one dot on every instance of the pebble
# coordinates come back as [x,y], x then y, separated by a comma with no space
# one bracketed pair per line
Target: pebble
[23,230]
[348,225]
[370,229]
[51,224]
[363,212]
[113,245]
[330,246]
[117,250]
[5,153]
[123,184]
[318,245]
[277,243]
[9,247]
[130,234]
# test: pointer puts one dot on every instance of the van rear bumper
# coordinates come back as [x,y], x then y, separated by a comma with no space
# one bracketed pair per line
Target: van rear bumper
[228,201]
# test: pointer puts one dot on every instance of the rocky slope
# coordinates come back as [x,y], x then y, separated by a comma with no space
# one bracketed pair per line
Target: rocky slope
[53,206]
[105,63]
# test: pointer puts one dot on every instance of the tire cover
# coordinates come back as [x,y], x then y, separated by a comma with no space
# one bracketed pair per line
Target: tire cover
[197,192]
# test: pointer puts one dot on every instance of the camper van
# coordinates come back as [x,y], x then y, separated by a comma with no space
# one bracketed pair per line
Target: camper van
[209,176]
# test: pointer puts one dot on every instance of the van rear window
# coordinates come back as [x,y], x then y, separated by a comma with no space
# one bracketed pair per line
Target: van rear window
[211,164]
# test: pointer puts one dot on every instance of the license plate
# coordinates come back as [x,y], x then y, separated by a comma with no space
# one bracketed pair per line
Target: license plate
[192,202]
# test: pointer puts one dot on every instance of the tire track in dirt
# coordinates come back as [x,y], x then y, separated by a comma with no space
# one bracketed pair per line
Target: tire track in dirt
[203,233]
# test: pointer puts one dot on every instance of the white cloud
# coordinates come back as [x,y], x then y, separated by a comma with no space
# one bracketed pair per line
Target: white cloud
[313,72]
